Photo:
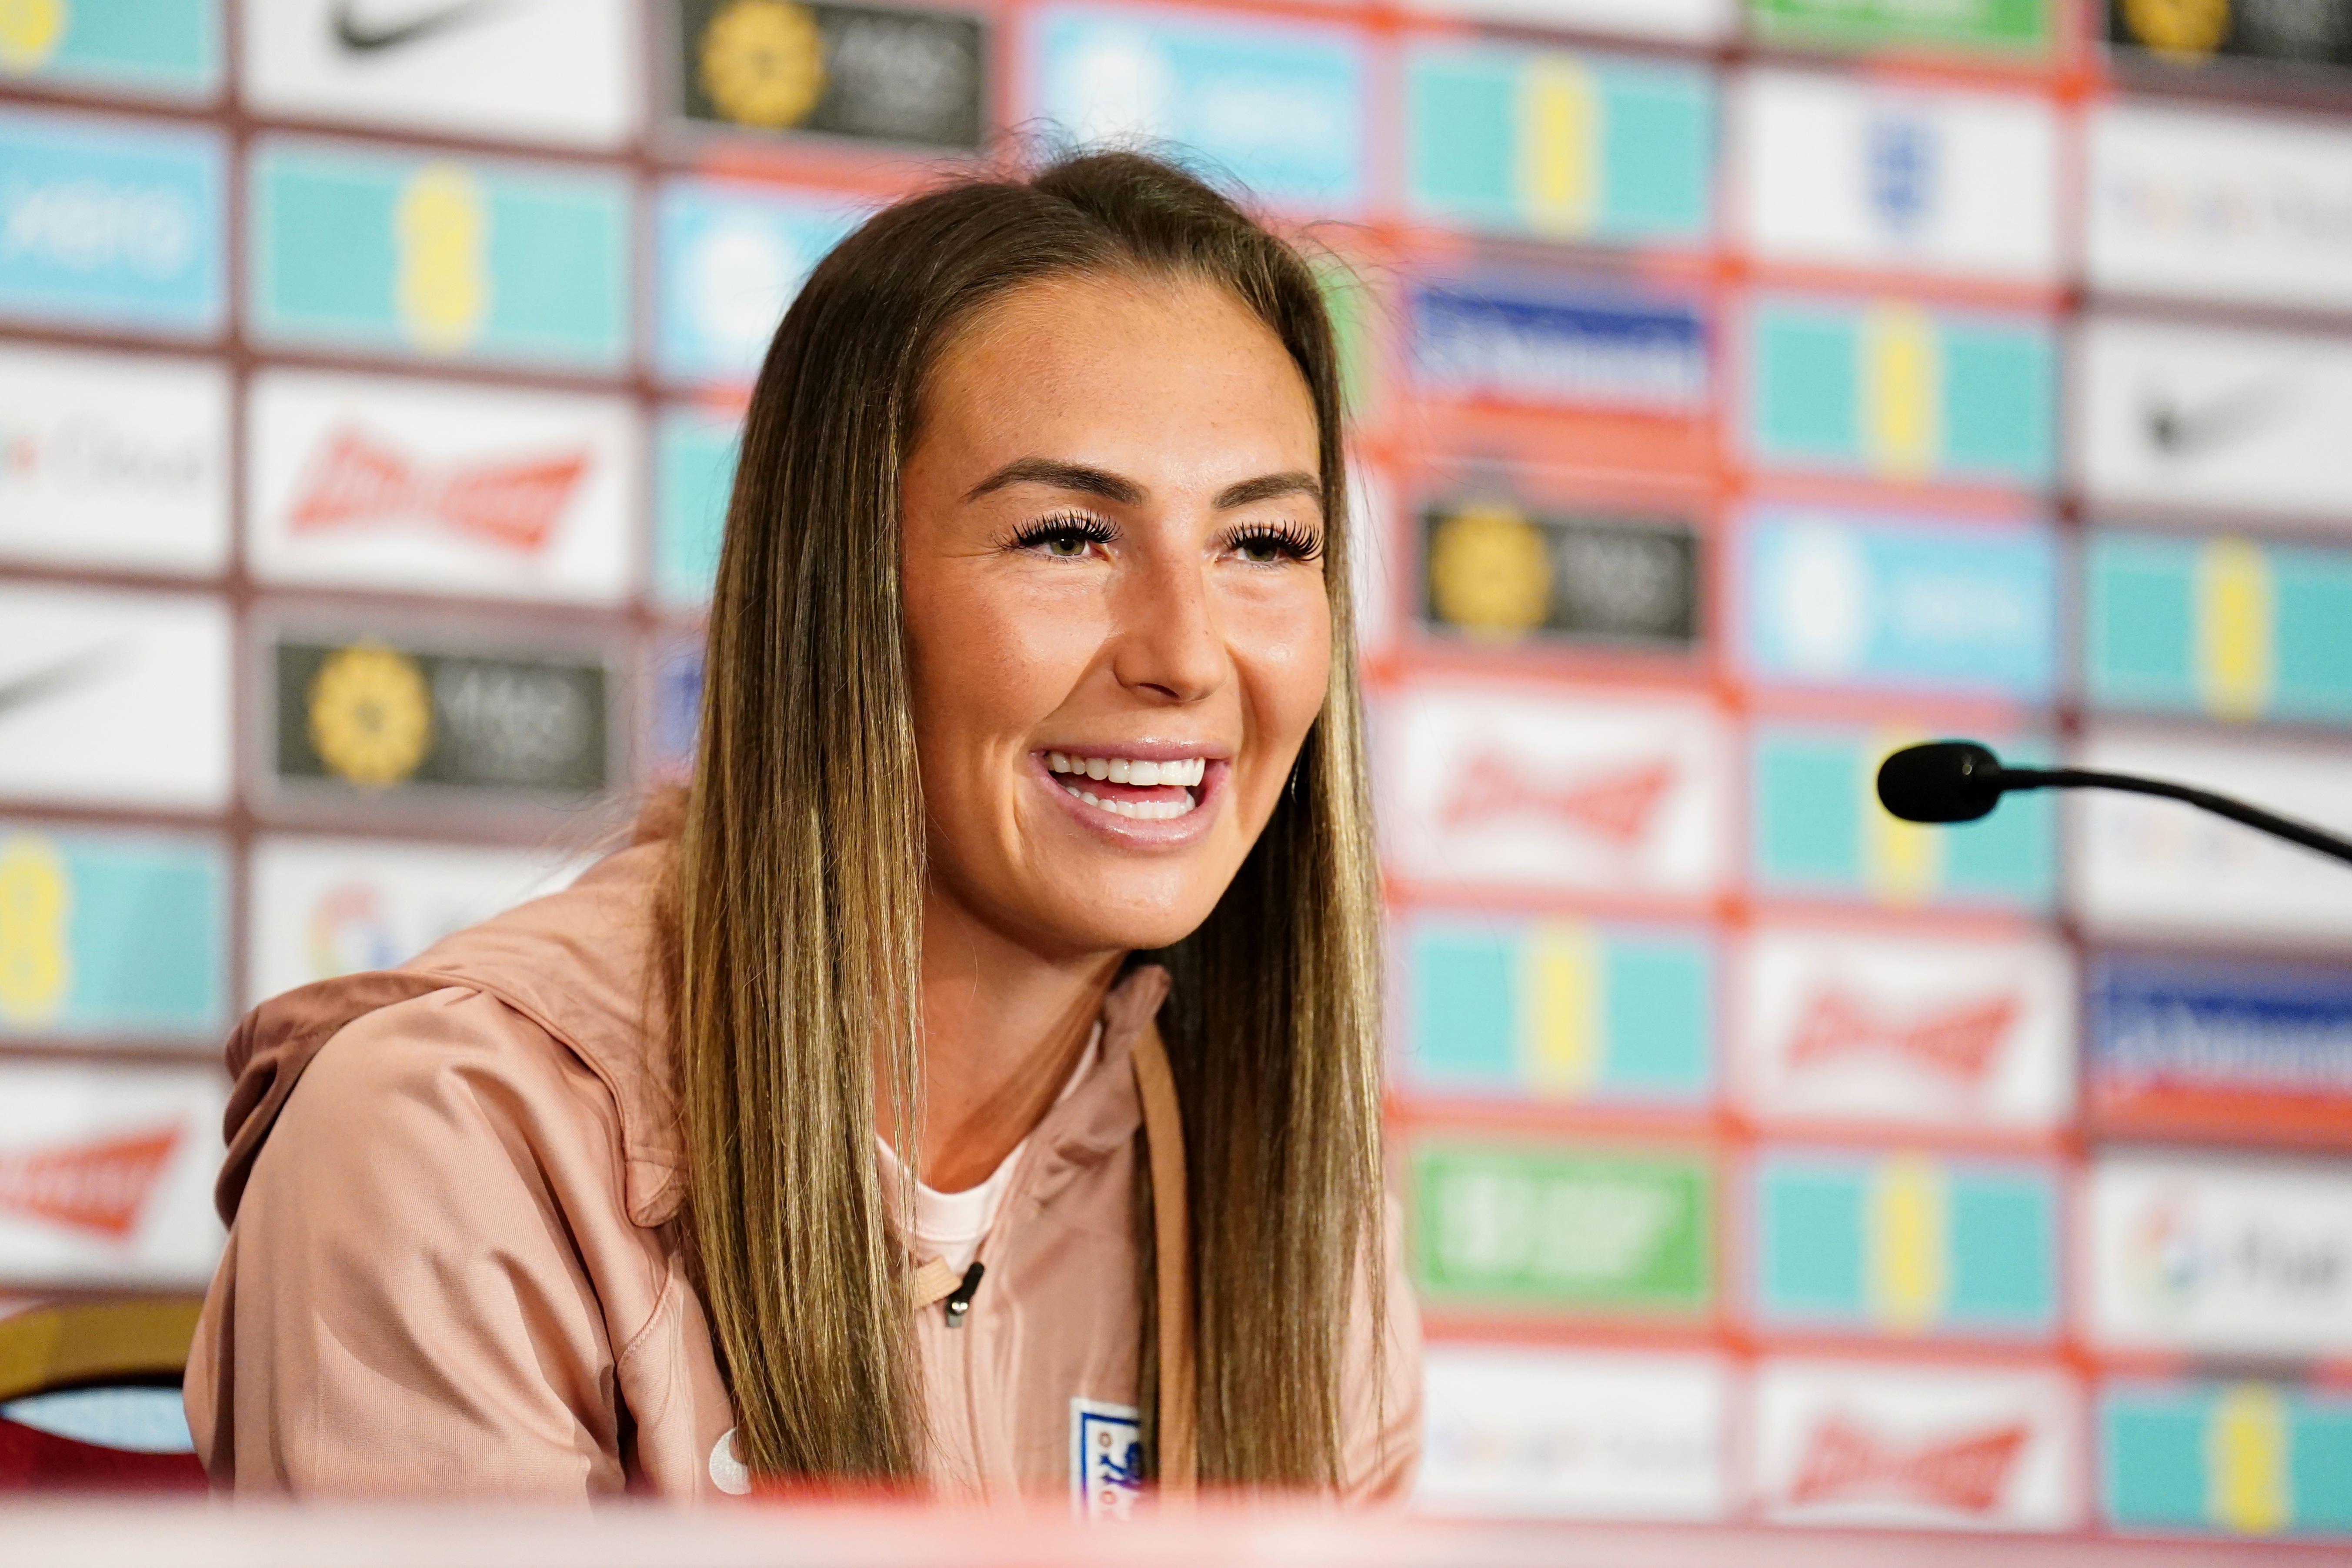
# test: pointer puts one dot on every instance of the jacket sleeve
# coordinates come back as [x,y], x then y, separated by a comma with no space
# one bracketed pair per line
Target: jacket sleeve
[400,1310]
[1382,1393]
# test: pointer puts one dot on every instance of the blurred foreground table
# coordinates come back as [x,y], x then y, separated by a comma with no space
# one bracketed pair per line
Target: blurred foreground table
[132,1534]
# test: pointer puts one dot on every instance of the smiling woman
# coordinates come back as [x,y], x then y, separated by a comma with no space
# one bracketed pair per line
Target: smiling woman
[1019,928]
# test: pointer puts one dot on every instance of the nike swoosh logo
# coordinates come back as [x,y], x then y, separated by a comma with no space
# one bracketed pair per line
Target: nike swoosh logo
[64,675]
[2179,429]
[362,40]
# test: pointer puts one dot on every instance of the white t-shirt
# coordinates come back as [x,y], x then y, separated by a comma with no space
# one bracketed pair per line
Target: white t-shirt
[951,1225]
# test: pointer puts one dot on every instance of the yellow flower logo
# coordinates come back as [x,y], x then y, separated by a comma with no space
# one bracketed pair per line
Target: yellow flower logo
[2186,29]
[764,63]
[371,715]
[1489,572]
[30,31]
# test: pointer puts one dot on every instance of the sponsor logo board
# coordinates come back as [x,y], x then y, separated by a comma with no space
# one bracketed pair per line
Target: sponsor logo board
[379,483]
[2198,205]
[1866,1443]
[167,48]
[113,461]
[675,694]
[1840,173]
[553,71]
[1555,1010]
[2251,1458]
[731,257]
[369,718]
[1559,346]
[443,257]
[1502,575]
[112,936]
[1519,1431]
[1835,1025]
[1988,26]
[1528,1229]
[1280,107]
[2256,42]
[2192,1252]
[2225,419]
[110,222]
[1546,145]
[912,75]
[1672,21]
[114,698]
[2225,627]
[1504,786]
[695,452]
[2140,866]
[2221,1046]
[1816,829]
[1906,1244]
[1897,391]
[325,907]
[106,1175]
[1843,598]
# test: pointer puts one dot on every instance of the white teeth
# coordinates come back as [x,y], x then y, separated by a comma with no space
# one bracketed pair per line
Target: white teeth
[1140,810]
[1186,771]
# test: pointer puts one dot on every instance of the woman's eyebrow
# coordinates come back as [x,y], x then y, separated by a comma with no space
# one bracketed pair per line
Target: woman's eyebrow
[1269,487]
[1061,475]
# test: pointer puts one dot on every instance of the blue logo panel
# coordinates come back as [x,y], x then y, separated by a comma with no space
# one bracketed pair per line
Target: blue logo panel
[1818,830]
[1561,1011]
[1545,144]
[694,476]
[171,48]
[1519,342]
[731,259]
[1281,107]
[459,259]
[1906,603]
[111,224]
[111,936]
[1906,1244]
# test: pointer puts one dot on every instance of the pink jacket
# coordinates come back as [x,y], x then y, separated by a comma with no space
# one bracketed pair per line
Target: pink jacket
[453,1261]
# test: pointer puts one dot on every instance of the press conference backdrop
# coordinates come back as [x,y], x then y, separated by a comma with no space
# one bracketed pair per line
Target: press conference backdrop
[1739,394]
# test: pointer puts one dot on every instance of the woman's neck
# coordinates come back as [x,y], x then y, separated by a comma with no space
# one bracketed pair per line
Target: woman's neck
[1002,1029]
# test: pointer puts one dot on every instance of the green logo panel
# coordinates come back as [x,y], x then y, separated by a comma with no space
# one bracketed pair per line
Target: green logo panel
[2000,27]
[1563,1227]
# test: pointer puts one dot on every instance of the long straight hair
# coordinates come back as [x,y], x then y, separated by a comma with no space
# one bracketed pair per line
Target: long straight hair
[797,905]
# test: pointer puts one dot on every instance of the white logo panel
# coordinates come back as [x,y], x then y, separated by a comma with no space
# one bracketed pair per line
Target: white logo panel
[371,482]
[2194,1254]
[1524,787]
[1678,21]
[2143,867]
[2194,205]
[106,1175]
[1866,1443]
[552,72]
[1526,1432]
[1844,173]
[2205,417]
[114,698]
[1963,1032]
[113,461]
[324,907]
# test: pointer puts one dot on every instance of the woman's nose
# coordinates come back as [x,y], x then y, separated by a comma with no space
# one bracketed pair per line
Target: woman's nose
[1167,640]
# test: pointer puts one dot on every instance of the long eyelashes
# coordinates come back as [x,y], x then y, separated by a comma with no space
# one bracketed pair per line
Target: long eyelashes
[1064,527]
[1275,541]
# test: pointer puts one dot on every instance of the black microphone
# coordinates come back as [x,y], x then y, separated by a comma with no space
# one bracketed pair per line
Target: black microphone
[1961,781]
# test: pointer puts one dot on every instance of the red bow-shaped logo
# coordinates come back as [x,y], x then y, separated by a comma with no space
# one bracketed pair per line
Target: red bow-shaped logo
[1846,1461]
[357,481]
[1616,807]
[101,1188]
[1958,1042]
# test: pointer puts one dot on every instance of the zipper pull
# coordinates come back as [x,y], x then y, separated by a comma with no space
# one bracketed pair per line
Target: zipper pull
[959,1302]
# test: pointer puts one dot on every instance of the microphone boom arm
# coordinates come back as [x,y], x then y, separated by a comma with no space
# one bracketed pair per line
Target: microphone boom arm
[2284,827]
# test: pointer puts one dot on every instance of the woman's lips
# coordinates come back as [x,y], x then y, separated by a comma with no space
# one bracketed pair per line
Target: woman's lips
[1161,789]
